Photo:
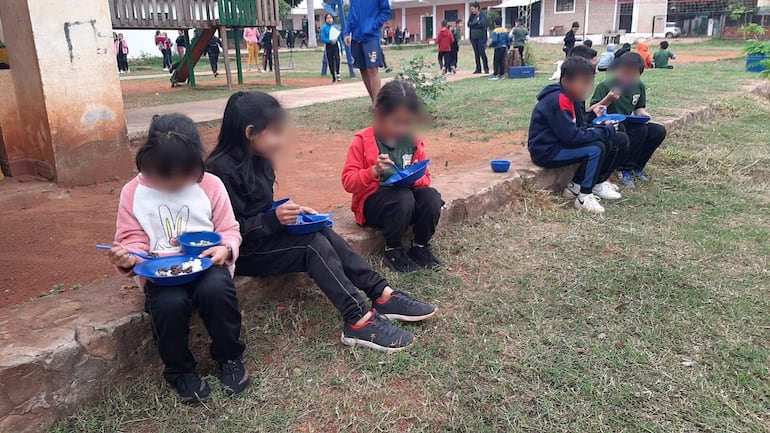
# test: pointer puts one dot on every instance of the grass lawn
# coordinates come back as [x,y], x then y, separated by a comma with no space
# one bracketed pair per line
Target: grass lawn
[653,318]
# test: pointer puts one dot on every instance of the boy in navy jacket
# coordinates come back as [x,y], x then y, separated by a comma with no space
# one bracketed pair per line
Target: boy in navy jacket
[556,140]
[362,32]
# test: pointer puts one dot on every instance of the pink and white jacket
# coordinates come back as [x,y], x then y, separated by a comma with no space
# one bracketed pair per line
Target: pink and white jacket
[150,220]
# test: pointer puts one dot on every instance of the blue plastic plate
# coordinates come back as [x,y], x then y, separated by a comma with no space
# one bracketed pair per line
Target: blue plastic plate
[637,119]
[610,118]
[307,223]
[409,175]
[149,269]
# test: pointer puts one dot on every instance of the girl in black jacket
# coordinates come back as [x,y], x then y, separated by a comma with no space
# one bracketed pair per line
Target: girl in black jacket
[253,132]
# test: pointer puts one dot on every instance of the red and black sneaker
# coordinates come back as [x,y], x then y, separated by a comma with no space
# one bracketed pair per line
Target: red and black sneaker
[405,308]
[377,333]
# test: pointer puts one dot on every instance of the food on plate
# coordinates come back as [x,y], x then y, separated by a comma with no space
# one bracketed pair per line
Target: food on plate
[187,267]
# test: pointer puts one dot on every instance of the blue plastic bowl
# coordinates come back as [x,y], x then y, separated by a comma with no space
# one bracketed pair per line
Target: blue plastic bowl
[149,269]
[187,240]
[279,202]
[409,175]
[500,165]
[307,223]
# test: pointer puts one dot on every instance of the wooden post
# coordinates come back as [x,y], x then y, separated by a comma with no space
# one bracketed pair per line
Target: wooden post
[226,48]
[276,64]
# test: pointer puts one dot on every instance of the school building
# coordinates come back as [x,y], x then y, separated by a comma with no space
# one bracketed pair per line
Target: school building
[545,18]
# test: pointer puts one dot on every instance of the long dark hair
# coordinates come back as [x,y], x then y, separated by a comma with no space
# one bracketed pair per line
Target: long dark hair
[173,147]
[256,109]
[398,94]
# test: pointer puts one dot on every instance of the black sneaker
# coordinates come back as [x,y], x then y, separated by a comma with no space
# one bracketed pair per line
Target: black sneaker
[191,388]
[423,256]
[399,261]
[233,376]
[378,334]
[477,71]
[405,308]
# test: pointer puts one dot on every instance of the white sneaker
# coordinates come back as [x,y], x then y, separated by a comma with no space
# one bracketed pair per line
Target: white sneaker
[571,191]
[606,191]
[588,203]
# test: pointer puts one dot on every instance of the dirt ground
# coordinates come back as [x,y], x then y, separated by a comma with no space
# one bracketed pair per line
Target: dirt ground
[47,235]
[712,56]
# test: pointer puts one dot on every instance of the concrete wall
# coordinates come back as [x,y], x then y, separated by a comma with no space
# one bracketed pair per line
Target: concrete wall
[63,68]
[600,16]
[414,17]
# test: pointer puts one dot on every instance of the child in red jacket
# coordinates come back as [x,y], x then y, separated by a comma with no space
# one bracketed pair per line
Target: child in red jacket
[444,40]
[371,157]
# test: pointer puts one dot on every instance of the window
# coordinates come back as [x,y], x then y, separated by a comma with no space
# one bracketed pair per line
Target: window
[564,6]
[450,15]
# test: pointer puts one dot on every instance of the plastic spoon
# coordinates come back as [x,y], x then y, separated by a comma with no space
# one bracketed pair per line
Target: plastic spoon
[142,255]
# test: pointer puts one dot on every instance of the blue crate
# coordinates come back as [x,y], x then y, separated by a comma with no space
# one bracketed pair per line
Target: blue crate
[521,72]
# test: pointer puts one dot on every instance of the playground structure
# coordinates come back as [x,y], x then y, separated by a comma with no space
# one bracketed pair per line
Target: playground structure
[206,16]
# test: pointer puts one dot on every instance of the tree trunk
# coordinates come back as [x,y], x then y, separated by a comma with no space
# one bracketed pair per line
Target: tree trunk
[312,40]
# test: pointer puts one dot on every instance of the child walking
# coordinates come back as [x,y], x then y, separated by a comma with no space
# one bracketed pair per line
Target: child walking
[390,142]
[555,139]
[253,132]
[171,195]
[212,51]
[332,47]
[500,42]
[444,41]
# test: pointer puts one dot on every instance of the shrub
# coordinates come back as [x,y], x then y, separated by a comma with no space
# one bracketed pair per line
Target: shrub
[529,55]
[754,30]
[757,48]
[429,86]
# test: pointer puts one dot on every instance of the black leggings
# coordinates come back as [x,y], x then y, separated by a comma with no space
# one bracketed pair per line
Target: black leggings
[268,59]
[170,308]
[333,60]
[445,60]
[394,209]
[499,61]
[480,53]
[214,60]
[329,261]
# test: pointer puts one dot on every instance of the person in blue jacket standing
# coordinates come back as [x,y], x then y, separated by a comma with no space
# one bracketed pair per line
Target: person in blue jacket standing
[363,28]
[332,48]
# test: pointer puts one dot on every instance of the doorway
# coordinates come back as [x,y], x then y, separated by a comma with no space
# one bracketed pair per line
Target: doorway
[427,27]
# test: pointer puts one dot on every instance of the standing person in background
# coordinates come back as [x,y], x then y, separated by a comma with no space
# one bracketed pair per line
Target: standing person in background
[332,47]
[406,36]
[167,44]
[456,34]
[519,35]
[500,42]
[212,50]
[160,42]
[477,23]
[570,38]
[362,33]
[303,39]
[267,49]
[290,38]
[444,41]
[181,44]
[251,36]
[121,49]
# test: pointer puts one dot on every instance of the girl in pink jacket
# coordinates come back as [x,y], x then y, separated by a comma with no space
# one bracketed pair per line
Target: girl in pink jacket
[121,50]
[171,195]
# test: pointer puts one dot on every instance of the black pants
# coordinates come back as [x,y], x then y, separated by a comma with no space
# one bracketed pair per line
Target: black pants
[166,58]
[498,61]
[329,261]
[644,140]
[394,209]
[170,308]
[480,54]
[521,54]
[214,60]
[268,59]
[333,60]
[615,152]
[445,60]
[454,53]
[122,62]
